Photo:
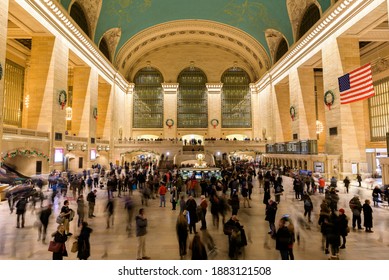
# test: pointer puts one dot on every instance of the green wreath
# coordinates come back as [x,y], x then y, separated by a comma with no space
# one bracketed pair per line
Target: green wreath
[292,112]
[215,123]
[169,123]
[95,113]
[330,102]
[62,98]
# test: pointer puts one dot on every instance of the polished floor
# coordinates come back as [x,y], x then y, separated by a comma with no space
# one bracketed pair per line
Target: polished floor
[116,244]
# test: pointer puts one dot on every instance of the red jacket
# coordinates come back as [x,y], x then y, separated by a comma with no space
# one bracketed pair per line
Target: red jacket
[162,190]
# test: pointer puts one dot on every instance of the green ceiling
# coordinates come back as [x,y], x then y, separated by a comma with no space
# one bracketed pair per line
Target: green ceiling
[251,16]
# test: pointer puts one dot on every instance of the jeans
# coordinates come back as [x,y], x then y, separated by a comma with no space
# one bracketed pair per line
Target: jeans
[162,200]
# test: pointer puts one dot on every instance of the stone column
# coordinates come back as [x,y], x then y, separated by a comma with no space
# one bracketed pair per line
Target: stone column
[255,123]
[281,116]
[170,109]
[129,110]
[48,76]
[3,46]
[104,110]
[384,162]
[214,110]
[340,56]
[302,98]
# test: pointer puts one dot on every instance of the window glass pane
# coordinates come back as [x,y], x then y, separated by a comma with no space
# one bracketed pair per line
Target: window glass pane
[379,110]
[236,99]
[192,111]
[148,99]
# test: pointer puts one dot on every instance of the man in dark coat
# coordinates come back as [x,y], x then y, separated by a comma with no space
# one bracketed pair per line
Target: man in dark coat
[83,242]
[21,207]
[271,211]
[191,206]
[44,220]
[367,216]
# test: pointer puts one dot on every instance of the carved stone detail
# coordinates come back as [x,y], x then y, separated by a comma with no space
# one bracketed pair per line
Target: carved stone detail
[381,65]
[273,38]
[92,12]
[296,10]
[112,38]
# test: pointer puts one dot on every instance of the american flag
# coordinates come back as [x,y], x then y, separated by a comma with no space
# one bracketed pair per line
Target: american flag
[356,85]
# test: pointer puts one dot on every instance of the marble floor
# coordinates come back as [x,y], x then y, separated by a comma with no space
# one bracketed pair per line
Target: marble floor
[161,243]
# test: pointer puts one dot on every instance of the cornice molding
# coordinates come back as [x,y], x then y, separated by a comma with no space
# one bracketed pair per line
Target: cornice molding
[214,87]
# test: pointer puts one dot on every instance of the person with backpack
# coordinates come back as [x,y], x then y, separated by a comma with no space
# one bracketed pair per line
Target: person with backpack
[21,207]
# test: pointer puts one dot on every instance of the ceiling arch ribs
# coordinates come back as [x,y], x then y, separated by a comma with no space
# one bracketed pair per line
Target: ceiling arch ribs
[214,34]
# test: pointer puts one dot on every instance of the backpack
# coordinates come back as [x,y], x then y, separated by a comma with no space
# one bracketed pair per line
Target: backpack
[307,203]
[199,212]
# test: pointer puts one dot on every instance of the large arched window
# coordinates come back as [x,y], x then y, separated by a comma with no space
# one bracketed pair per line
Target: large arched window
[236,99]
[192,99]
[311,16]
[148,99]
[77,13]
[281,49]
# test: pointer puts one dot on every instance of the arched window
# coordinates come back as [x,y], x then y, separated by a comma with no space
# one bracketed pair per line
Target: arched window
[311,16]
[281,49]
[103,47]
[79,17]
[148,99]
[236,99]
[192,99]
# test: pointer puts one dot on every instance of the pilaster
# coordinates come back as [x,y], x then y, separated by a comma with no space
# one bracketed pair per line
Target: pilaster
[281,115]
[3,45]
[170,109]
[341,56]
[214,110]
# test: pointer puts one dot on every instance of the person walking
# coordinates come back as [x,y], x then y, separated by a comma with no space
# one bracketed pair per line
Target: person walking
[198,248]
[204,206]
[83,252]
[44,216]
[162,193]
[80,210]
[367,216]
[60,237]
[67,214]
[110,208]
[346,182]
[270,216]
[359,179]
[21,207]
[182,233]
[356,208]
[283,239]
[91,198]
[141,230]
[191,207]
[343,227]
[308,207]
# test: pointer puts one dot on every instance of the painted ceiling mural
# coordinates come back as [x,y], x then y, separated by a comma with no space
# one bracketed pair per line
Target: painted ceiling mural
[252,16]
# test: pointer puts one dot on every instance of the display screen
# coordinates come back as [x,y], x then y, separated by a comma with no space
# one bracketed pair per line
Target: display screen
[58,155]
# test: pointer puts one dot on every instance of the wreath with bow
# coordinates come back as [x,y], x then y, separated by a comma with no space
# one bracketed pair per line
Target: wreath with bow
[329,99]
[214,123]
[169,123]
[62,99]
[292,112]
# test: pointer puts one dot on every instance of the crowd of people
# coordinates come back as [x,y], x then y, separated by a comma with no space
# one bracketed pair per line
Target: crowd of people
[193,199]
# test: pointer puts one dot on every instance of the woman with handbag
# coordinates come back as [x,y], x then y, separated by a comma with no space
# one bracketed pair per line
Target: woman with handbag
[60,237]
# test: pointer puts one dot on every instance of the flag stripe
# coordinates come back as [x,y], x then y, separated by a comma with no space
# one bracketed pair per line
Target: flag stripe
[360,85]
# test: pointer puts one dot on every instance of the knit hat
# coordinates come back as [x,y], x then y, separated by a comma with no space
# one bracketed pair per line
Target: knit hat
[341,210]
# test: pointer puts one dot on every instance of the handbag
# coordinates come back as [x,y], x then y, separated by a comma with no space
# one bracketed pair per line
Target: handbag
[60,219]
[55,247]
[74,247]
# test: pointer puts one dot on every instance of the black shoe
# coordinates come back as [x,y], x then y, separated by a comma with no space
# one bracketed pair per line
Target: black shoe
[69,234]
[342,247]
[145,258]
